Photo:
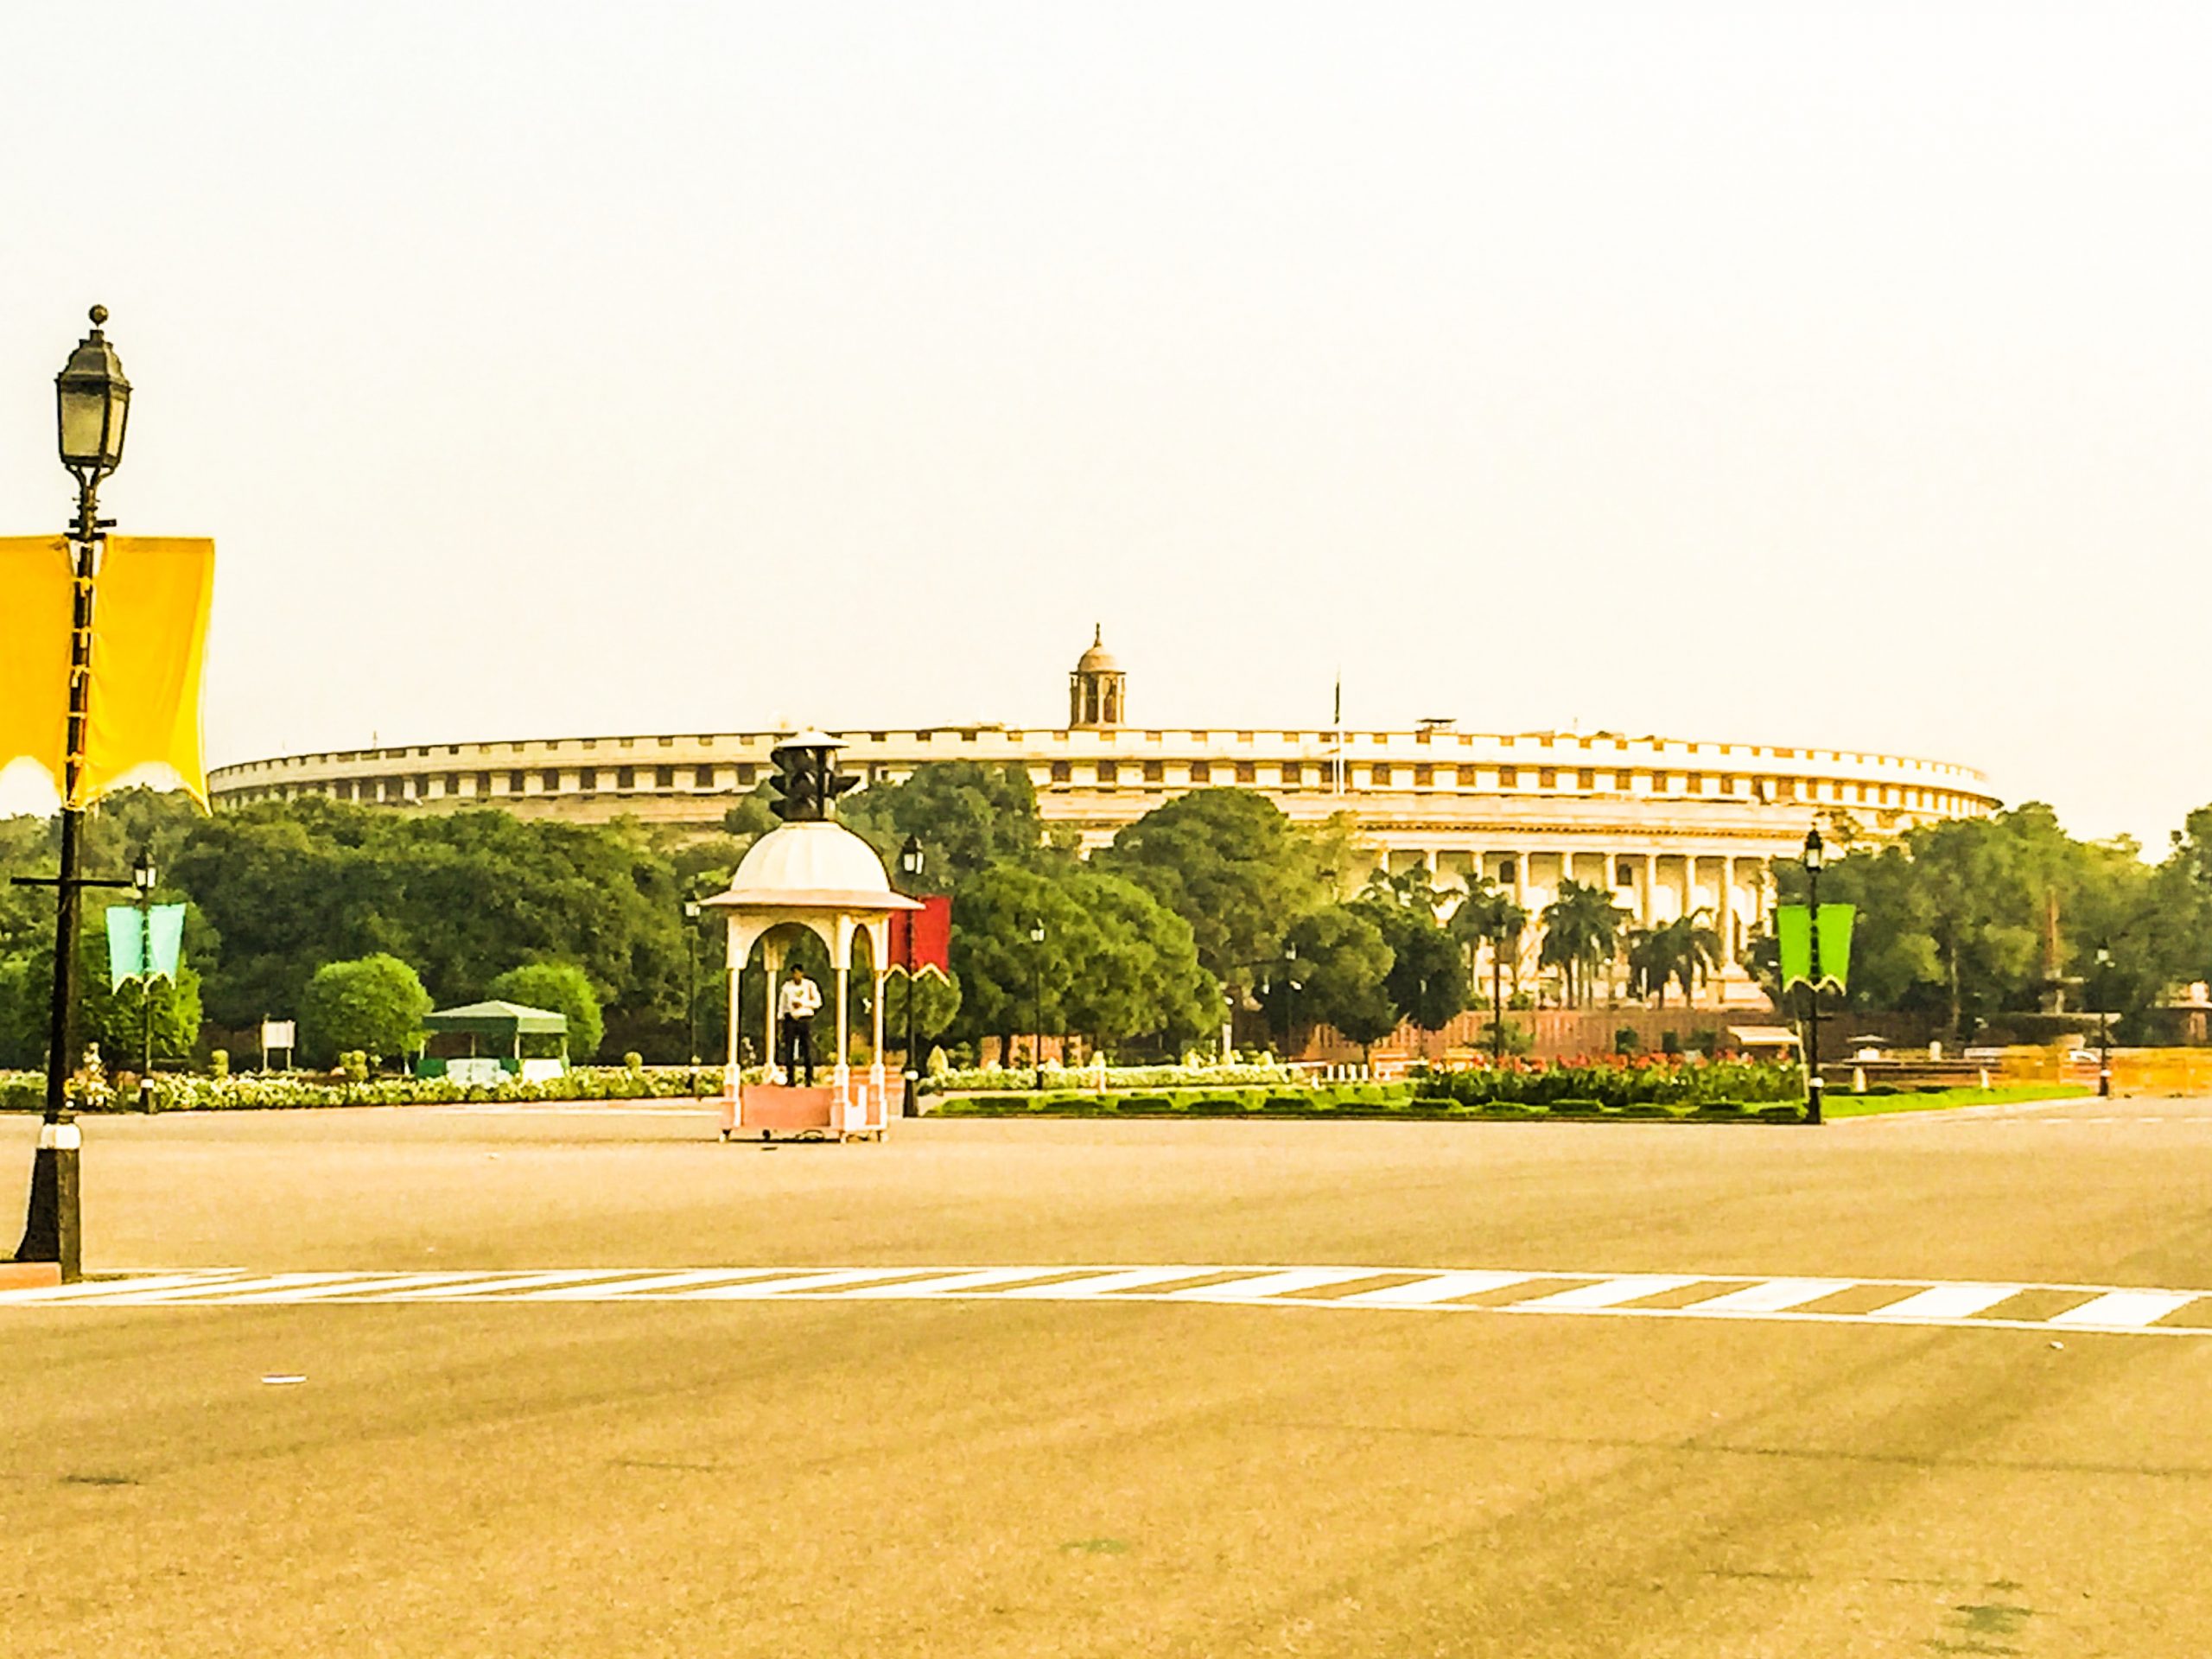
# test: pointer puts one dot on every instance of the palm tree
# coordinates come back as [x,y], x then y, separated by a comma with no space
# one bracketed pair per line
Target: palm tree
[1486,915]
[1582,932]
[1686,951]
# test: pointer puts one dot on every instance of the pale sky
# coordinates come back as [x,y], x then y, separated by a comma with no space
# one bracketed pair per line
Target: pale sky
[1838,376]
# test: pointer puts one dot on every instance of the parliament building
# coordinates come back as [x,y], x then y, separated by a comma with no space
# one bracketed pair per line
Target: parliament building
[1673,825]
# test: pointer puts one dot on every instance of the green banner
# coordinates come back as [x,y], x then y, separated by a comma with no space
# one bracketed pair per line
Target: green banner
[1793,931]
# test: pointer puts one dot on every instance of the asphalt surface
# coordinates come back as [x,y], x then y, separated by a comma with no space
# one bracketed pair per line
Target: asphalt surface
[998,1477]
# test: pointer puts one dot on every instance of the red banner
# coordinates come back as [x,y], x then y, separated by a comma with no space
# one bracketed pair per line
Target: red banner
[923,938]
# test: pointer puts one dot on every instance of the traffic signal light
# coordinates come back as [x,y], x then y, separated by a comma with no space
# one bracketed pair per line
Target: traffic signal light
[807,782]
[798,792]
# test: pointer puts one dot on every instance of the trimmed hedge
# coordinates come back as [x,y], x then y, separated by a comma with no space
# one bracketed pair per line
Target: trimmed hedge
[176,1092]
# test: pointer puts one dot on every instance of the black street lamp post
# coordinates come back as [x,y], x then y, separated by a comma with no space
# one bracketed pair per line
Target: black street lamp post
[92,406]
[1815,856]
[692,980]
[1037,1006]
[909,866]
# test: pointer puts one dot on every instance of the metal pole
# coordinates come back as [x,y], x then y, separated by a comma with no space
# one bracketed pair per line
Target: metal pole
[691,990]
[54,1222]
[1814,1083]
[1497,1000]
[146,983]
[913,1072]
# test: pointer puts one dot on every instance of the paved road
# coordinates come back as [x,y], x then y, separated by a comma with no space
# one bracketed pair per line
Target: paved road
[977,1472]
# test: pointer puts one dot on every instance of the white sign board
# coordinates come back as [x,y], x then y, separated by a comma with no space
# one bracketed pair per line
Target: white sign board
[276,1033]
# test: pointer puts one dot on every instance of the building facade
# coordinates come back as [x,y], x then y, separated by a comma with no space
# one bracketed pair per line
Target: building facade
[1673,826]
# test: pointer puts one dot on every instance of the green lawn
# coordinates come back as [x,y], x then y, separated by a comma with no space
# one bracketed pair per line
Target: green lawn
[1937,1100]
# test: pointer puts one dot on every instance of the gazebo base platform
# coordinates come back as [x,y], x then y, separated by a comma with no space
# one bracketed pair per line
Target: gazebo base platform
[776,1109]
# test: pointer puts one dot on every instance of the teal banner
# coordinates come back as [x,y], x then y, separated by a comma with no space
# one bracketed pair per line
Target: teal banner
[166,945]
[143,943]
[126,946]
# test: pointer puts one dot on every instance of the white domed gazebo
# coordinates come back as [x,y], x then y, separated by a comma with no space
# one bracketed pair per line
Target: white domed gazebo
[816,874]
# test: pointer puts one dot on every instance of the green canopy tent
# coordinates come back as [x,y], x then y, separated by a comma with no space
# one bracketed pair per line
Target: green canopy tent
[509,1021]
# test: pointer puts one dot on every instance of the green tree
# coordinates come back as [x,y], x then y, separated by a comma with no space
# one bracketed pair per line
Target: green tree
[1342,962]
[373,1003]
[1582,932]
[1685,950]
[967,817]
[558,988]
[1230,864]
[1427,980]
[1487,915]
[1113,964]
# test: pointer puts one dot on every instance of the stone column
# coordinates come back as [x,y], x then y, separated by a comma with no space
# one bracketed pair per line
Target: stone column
[1651,889]
[1727,912]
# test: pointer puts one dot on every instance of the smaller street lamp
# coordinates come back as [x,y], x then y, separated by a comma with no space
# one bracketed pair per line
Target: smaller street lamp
[910,861]
[2104,1023]
[1816,855]
[691,978]
[1037,1008]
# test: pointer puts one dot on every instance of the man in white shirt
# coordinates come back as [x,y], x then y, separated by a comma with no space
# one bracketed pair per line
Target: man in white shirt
[796,1006]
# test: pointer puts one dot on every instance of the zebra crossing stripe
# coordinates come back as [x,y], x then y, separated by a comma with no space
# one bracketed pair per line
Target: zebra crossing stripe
[1770,1297]
[2123,1308]
[952,1284]
[1101,1284]
[376,1284]
[1437,1288]
[804,1281]
[1269,1284]
[1947,1302]
[631,1285]
[513,1282]
[1606,1292]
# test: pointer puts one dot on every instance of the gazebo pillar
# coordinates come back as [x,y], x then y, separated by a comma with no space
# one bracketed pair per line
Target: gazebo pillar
[875,1040]
[841,1075]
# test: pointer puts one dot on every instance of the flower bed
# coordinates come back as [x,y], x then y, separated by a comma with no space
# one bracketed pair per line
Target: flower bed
[25,1091]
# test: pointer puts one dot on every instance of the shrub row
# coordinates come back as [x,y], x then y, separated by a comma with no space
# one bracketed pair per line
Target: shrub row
[26,1091]
[1371,1100]
[988,1077]
[1618,1084]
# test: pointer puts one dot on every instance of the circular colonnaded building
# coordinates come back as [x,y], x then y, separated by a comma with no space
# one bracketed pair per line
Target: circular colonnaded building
[1672,825]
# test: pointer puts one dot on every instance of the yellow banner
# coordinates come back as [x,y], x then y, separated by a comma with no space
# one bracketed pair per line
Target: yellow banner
[36,583]
[150,640]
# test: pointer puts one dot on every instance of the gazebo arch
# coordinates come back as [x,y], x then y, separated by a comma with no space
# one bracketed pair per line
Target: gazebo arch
[818,875]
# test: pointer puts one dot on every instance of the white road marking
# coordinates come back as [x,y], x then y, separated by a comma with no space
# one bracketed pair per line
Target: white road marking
[2123,1307]
[1436,1288]
[2111,1310]
[370,1285]
[1947,1302]
[1772,1296]
[1606,1292]
[605,1290]
[1269,1284]
[96,1289]
[513,1281]
[1100,1284]
[804,1281]
[231,1289]
[951,1284]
